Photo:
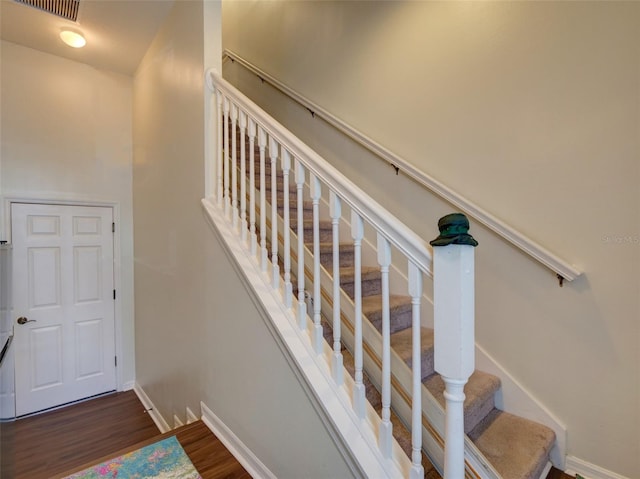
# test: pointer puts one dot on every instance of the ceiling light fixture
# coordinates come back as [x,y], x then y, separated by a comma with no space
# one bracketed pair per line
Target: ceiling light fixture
[73,39]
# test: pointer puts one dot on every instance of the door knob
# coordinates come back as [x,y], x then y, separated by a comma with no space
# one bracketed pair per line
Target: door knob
[23,320]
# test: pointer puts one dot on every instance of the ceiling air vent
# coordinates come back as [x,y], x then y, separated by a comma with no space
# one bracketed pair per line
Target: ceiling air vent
[62,8]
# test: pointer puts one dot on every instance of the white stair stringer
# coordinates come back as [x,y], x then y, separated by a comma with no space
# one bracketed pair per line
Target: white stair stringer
[356,438]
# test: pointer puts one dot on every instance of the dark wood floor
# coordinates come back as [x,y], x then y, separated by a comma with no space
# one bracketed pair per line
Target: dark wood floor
[557,474]
[56,443]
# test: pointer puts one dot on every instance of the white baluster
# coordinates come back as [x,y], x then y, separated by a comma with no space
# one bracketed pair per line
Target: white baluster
[359,391]
[234,167]
[275,269]
[415,291]
[227,199]
[288,288]
[243,177]
[302,305]
[386,428]
[262,144]
[454,351]
[252,187]
[335,207]
[220,151]
[317,299]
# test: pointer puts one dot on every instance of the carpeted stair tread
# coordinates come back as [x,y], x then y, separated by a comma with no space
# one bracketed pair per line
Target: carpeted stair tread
[401,343]
[399,311]
[516,447]
[479,396]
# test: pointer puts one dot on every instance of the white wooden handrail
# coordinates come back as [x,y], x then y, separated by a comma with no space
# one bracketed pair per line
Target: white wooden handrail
[403,238]
[563,269]
[453,282]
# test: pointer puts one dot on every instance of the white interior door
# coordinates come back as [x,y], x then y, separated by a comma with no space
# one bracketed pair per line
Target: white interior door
[64,335]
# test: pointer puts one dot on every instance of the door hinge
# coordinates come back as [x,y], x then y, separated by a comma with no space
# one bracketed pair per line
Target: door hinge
[115,360]
[113,227]
[114,294]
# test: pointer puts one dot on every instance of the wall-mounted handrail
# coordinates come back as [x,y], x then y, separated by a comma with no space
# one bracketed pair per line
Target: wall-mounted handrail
[563,269]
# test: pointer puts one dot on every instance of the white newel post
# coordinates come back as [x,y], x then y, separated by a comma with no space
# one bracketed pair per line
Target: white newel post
[453,297]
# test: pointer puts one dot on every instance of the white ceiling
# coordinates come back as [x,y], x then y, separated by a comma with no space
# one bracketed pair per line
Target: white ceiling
[118,32]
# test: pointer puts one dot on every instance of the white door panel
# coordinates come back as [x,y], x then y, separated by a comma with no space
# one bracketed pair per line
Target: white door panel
[63,284]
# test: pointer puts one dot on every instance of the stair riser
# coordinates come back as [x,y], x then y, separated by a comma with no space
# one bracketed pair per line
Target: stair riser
[369,287]
[398,320]
[346,259]
[325,234]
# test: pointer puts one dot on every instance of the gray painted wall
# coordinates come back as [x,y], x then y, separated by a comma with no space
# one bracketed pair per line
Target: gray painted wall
[198,336]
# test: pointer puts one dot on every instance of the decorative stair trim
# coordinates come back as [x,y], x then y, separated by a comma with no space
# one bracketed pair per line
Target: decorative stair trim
[191,417]
[177,422]
[589,471]
[236,447]
[355,438]
[160,422]
[562,268]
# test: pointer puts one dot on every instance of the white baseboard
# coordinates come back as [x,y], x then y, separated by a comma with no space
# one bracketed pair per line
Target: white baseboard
[249,461]
[128,386]
[160,422]
[588,471]
[191,417]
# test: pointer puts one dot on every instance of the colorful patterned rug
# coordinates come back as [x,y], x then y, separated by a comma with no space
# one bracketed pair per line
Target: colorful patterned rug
[162,460]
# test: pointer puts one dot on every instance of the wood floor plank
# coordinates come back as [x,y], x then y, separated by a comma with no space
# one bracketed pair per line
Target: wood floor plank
[210,457]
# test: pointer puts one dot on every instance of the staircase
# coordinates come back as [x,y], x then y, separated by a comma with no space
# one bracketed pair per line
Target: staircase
[513,447]
[516,447]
